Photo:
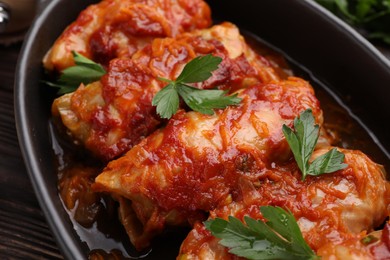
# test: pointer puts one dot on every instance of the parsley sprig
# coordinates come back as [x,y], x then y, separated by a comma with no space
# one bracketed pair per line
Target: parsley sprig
[371,15]
[302,142]
[204,101]
[278,238]
[85,71]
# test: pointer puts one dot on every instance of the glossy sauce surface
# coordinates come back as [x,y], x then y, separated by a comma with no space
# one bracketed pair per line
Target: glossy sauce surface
[112,115]
[93,214]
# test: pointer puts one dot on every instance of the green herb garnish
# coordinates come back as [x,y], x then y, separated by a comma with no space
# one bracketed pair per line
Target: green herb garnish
[278,238]
[85,71]
[370,15]
[302,142]
[369,240]
[204,101]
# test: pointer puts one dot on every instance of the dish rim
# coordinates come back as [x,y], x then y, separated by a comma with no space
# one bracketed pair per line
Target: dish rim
[70,247]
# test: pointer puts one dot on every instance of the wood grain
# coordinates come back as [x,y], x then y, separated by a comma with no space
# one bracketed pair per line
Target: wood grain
[24,233]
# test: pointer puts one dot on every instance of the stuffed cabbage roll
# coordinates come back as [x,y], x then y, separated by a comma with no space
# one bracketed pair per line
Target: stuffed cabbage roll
[194,164]
[115,113]
[118,28]
[334,211]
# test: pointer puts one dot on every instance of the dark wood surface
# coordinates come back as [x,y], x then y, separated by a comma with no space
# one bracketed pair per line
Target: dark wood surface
[24,233]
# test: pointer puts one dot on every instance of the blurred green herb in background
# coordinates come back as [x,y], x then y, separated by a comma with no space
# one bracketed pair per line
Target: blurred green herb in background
[371,16]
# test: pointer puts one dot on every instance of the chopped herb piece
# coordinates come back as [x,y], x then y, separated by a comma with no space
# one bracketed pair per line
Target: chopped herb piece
[302,142]
[373,16]
[204,101]
[369,239]
[167,101]
[85,71]
[278,238]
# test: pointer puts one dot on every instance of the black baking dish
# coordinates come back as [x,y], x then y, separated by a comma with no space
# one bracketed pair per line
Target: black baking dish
[308,34]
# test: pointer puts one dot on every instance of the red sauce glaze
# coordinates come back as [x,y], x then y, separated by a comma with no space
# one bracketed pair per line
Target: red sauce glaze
[282,186]
[199,241]
[117,28]
[231,180]
[127,90]
[177,171]
[135,23]
[104,48]
[167,57]
[206,179]
[381,249]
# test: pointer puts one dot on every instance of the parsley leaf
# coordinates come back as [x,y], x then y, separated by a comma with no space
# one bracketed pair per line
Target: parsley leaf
[302,142]
[167,101]
[372,17]
[278,238]
[199,69]
[369,239]
[329,162]
[204,101]
[85,71]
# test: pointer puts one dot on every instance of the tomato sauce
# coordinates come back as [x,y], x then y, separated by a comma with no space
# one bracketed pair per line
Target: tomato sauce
[94,215]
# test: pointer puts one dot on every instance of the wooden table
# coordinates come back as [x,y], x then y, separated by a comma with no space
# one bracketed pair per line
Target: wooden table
[24,233]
